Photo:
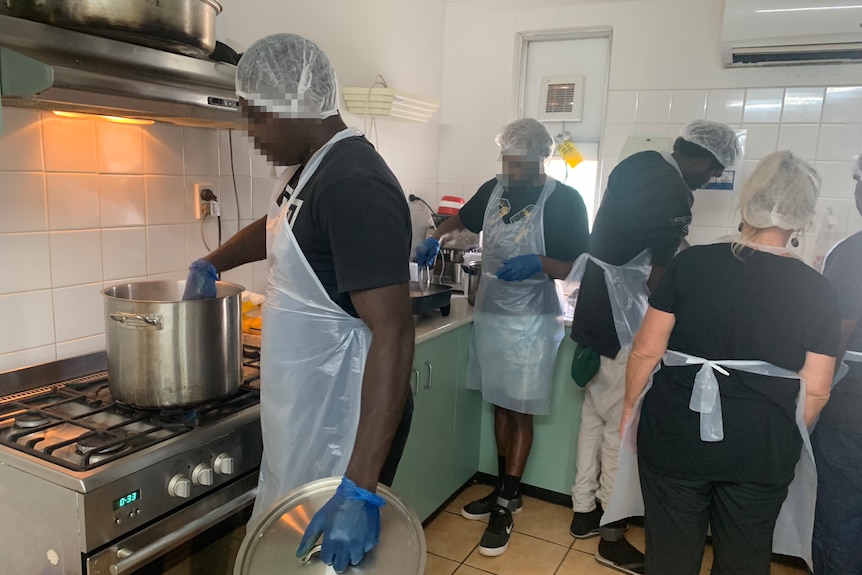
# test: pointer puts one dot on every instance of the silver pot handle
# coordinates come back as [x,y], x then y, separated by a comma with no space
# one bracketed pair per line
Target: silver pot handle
[313,551]
[138,321]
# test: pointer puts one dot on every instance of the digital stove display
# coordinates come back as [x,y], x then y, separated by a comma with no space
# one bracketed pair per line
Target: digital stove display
[132,497]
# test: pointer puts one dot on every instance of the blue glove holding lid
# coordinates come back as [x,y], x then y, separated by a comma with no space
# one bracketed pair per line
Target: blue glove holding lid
[201,283]
[520,268]
[349,524]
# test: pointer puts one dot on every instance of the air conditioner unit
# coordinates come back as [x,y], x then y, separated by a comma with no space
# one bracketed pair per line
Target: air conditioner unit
[791,32]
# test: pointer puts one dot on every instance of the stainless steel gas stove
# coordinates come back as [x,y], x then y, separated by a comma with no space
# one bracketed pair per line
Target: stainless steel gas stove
[91,486]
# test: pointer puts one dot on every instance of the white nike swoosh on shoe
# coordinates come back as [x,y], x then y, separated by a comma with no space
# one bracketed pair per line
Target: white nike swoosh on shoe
[509,530]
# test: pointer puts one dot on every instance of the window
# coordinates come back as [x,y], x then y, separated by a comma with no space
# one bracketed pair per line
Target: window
[583,177]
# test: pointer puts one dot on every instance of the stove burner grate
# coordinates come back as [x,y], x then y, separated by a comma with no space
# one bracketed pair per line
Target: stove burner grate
[30,419]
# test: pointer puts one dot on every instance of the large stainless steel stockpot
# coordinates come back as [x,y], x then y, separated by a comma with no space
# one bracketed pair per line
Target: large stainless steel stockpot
[164,352]
[181,26]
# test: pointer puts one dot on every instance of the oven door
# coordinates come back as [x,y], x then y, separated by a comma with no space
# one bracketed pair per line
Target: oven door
[159,538]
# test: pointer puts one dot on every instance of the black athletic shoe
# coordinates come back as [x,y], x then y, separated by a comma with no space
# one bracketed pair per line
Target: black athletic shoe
[621,555]
[586,525]
[481,508]
[495,540]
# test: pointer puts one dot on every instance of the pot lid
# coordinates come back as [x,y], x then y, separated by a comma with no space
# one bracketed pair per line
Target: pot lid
[271,541]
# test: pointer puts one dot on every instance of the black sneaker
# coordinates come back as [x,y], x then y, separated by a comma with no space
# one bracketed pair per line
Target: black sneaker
[481,508]
[586,525]
[621,555]
[495,540]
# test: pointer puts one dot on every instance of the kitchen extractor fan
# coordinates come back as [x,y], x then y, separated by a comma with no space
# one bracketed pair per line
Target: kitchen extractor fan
[562,99]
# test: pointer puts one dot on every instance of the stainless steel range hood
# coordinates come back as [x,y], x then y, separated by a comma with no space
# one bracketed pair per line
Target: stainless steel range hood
[50,68]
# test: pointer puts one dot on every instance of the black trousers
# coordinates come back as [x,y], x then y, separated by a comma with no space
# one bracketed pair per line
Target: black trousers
[677,513]
[396,450]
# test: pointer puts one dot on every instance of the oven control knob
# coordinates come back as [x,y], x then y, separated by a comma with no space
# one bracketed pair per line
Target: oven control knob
[180,486]
[223,464]
[202,475]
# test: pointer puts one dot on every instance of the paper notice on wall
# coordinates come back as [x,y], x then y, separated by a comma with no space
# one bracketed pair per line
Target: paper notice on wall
[731,179]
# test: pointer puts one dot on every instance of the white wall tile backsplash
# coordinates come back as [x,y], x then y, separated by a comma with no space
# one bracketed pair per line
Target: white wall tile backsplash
[76,257]
[73,201]
[763,106]
[21,144]
[843,104]
[687,105]
[725,106]
[122,201]
[23,201]
[653,107]
[86,203]
[802,105]
[26,261]
[820,124]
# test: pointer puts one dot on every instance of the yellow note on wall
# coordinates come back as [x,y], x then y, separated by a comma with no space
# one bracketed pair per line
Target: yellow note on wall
[569,153]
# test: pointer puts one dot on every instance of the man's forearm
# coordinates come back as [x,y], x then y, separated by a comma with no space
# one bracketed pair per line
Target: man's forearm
[449,229]
[385,385]
[248,245]
[557,269]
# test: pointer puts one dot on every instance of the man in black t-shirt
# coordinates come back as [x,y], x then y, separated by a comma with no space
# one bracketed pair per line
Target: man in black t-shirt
[837,439]
[534,227]
[647,206]
[346,229]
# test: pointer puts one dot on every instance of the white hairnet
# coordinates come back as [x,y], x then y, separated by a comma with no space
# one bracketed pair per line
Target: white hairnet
[526,137]
[857,167]
[718,139]
[782,192]
[288,75]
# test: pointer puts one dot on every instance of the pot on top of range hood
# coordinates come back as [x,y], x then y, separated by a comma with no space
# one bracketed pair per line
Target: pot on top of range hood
[50,68]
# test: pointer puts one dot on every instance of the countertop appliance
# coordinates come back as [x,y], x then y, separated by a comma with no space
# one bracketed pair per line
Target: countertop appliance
[89,486]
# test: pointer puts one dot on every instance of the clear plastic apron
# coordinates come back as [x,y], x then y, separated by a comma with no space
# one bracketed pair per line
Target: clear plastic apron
[626,291]
[795,524]
[517,326]
[312,359]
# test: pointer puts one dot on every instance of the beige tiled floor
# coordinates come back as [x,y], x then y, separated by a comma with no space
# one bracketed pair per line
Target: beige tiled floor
[540,544]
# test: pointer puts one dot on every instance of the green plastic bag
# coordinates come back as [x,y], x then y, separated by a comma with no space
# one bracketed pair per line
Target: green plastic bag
[585,364]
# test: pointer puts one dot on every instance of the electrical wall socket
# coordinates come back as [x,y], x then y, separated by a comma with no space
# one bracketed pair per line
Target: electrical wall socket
[197,202]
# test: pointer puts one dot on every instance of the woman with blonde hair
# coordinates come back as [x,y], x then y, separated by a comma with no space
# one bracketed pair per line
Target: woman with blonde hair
[747,335]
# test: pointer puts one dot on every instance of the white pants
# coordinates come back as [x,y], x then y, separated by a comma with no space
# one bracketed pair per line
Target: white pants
[599,435]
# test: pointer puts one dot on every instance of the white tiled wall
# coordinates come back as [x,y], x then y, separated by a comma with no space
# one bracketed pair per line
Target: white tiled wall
[86,203]
[822,125]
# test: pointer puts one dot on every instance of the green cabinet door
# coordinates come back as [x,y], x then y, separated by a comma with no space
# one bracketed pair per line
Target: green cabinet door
[436,461]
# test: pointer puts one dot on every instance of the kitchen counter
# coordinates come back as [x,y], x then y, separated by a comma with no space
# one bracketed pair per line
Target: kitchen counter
[435,324]
[427,328]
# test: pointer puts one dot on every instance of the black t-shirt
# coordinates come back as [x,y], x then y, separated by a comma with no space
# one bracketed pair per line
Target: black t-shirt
[647,205]
[761,307]
[844,270]
[353,222]
[566,225]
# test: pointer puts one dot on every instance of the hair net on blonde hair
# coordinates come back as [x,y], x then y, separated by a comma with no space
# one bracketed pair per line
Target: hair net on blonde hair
[288,75]
[525,137]
[781,192]
[718,139]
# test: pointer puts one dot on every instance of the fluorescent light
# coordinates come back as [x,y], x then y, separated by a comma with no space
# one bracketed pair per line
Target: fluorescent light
[810,9]
[115,119]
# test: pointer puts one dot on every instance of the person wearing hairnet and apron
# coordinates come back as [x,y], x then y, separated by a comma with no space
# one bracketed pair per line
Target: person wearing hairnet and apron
[532,227]
[837,439]
[717,437]
[644,215]
[337,338]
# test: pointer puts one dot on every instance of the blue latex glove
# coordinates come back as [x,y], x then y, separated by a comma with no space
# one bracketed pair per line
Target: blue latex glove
[520,268]
[349,523]
[426,252]
[201,283]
